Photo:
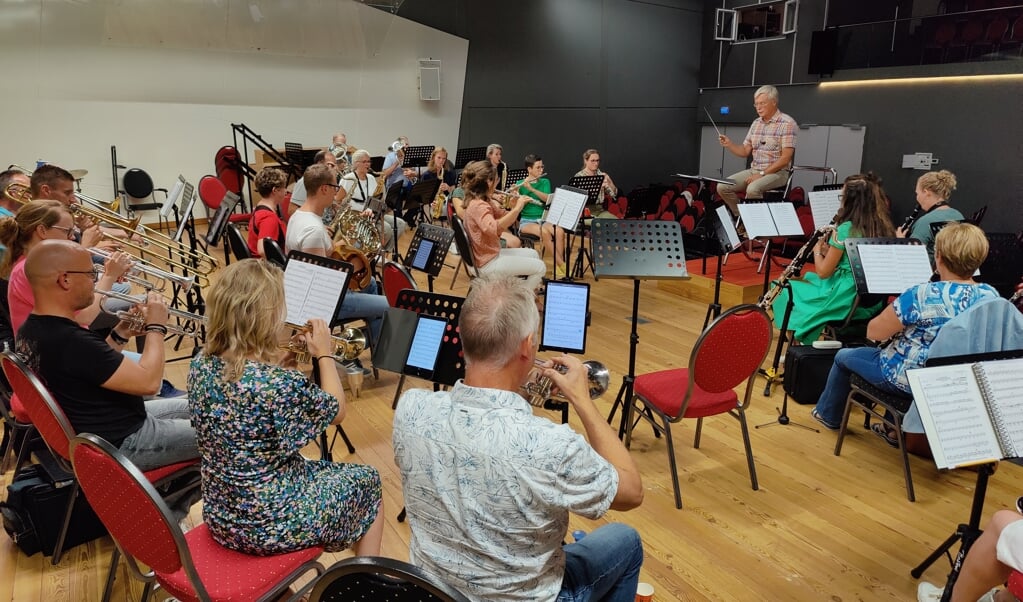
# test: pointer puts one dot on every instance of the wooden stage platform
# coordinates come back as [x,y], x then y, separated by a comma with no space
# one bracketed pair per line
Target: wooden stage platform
[740,282]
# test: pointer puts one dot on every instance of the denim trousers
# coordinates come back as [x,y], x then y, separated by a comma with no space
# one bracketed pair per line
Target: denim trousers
[864,361]
[604,565]
[166,436]
[367,305]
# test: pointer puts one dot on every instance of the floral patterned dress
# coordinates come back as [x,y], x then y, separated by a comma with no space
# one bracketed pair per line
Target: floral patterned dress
[260,496]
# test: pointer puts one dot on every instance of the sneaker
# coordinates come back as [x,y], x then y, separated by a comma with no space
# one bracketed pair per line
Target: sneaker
[560,272]
[453,249]
[816,416]
[355,366]
[928,592]
[168,391]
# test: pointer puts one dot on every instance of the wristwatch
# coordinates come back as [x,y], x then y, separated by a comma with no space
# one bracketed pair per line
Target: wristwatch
[762,172]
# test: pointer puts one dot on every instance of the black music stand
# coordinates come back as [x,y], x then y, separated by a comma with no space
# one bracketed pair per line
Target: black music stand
[220,218]
[439,241]
[593,186]
[465,156]
[644,201]
[727,241]
[516,175]
[417,156]
[406,202]
[636,249]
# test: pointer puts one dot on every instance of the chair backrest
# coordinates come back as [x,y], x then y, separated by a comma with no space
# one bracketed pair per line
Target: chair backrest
[396,279]
[226,163]
[990,325]
[137,183]
[48,417]
[239,247]
[273,252]
[211,192]
[462,242]
[130,508]
[376,578]
[730,351]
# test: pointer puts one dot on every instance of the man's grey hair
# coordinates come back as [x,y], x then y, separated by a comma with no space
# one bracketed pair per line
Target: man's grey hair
[498,314]
[493,147]
[769,91]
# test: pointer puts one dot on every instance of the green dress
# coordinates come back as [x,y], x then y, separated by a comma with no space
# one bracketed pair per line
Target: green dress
[821,300]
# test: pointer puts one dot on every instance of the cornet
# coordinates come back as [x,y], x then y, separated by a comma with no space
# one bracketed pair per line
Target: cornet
[539,389]
[142,268]
[188,324]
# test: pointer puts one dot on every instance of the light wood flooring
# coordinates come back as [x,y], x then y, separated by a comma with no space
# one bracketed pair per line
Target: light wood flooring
[820,527]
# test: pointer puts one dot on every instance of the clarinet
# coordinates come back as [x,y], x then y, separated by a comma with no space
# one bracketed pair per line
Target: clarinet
[1016,297]
[794,268]
[911,219]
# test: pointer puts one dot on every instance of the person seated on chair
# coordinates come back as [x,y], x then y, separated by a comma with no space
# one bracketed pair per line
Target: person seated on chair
[51,182]
[828,293]
[933,190]
[271,184]
[307,233]
[771,140]
[992,557]
[591,167]
[495,153]
[538,188]
[438,170]
[485,220]
[489,486]
[361,187]
[252,418]
[299,191]
[913,319]
[98,388]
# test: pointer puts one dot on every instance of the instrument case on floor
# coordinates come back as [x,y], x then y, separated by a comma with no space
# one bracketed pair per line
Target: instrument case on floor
[806,372]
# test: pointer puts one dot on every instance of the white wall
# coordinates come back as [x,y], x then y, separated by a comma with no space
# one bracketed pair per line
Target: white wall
[163,81]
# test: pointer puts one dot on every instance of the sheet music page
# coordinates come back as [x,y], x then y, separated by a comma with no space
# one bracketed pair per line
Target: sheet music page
[564,316]
[725,217]
[311,291]
[566,208]
[757,219]
[1002,381]
[824,204]
[954,415]
[891,269]
[785,219]
[172,198]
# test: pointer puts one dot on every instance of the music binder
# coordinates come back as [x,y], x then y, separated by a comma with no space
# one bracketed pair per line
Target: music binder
[314,287]
[766,220]
[972,413]
[887,266]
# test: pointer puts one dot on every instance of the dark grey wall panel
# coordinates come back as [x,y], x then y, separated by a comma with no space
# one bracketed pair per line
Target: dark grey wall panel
[737,62]
[774,61]
[640,155]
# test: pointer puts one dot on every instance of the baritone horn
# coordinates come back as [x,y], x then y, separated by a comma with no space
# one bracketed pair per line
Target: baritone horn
[539,389]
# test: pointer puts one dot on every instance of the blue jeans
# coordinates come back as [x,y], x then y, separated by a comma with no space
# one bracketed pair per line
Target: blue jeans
[604,565]
[367,305]
[865,361]
[166,436]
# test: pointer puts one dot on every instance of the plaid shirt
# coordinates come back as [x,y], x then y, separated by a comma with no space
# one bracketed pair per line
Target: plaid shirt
[768,138]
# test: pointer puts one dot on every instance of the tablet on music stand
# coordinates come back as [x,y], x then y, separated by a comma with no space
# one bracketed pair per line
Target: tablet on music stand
[422,256]
[314,287]
[564,316]
[421,360]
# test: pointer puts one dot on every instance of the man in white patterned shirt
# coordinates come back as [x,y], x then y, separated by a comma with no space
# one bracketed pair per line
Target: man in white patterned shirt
[489,486]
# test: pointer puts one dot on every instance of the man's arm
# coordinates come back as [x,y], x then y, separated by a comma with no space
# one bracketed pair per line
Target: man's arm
[146,376]
[739,151]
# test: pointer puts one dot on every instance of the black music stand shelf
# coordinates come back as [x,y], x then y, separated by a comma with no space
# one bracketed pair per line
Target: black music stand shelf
[637,249]
[439,240]
[465,156]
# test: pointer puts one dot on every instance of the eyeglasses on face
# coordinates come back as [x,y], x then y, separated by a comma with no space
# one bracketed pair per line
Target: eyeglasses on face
[68,231]
[93,272]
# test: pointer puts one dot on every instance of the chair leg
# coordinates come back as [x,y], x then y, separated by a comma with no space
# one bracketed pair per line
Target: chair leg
[671,463]
[699,430]
[397,392]
[844,425]
[340,431]
[455,277]
[58,548]
[905,458]
[749,449]
[24,452]
[115,559]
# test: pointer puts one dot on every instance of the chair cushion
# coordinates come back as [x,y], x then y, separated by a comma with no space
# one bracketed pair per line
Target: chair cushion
[893,401]
[666,389]
[18,410]
[165,471]
[229,575]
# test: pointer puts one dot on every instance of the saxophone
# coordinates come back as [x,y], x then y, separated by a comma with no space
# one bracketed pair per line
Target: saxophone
[794,268]
[441,199]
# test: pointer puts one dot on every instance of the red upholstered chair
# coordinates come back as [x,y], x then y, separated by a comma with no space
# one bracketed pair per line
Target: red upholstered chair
[18,432]
[1016,584]
[728,353]
[190,566]
[396,279]
[54,427]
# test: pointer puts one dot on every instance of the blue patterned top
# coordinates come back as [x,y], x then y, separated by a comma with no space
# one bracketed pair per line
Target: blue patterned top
[488,488]
[923,310]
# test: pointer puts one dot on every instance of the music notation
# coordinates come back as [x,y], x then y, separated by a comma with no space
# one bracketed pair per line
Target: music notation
[312,291]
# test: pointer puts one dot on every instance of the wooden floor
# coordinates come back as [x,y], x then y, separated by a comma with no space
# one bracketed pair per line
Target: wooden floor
[820,527]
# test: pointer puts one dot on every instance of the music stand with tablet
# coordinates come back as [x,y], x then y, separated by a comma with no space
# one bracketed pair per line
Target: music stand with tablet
[220,218]
[566,207]
[422,193]
[887,266]
[565,321]
[428,250]
[465,156]
[636,249]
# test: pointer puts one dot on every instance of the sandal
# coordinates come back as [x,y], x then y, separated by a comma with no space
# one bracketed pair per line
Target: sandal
[882,431]
[816,416]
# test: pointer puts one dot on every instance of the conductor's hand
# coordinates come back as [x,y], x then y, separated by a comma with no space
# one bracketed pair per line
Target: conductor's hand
[573,383]
[724,140]
[155,309]
[318,339]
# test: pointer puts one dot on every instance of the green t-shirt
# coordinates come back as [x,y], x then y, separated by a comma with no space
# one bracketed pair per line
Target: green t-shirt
[533,211]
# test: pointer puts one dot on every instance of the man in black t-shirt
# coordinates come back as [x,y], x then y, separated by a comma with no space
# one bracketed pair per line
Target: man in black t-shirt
[98,388]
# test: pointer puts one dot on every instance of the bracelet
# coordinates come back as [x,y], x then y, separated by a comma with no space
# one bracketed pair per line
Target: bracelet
[320,357]
[160,328]
[117,338]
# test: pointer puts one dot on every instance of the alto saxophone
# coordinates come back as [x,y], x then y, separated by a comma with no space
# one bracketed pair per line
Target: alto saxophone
[794,268]
[441,198]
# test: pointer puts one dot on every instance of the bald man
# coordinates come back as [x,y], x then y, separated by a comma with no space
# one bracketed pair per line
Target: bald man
[98,388]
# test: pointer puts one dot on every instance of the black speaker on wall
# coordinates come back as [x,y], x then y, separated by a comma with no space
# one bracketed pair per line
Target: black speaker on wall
[823,50]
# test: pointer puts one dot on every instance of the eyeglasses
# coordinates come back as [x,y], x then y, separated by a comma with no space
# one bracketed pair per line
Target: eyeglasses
[93,272]
[68,231]
[334,186]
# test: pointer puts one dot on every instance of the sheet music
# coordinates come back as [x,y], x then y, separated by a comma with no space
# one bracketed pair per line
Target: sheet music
[426,342]
[311,291]
[824,204]
[785,219]
[731,233]
[1002,381]
[566,208]
[891,269]
[422,254]
[172,198]
[564,316]
[756,218]
[954,415]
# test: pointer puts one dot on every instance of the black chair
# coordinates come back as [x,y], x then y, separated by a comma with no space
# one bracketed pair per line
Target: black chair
[466,258]
[273,253]
[376,578]
[239,246]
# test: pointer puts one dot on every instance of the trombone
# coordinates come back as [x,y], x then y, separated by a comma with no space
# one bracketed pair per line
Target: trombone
[142,268]
[189,324]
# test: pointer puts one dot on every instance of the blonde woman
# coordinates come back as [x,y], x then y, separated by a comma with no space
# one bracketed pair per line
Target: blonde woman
[933,190]
[252,417]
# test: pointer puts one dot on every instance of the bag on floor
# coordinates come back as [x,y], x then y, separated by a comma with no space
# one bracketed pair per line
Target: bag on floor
[806,372]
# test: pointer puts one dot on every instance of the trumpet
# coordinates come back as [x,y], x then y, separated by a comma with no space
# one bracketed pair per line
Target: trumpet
[347,346]
[188,324]
[539,389]
[143,268]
